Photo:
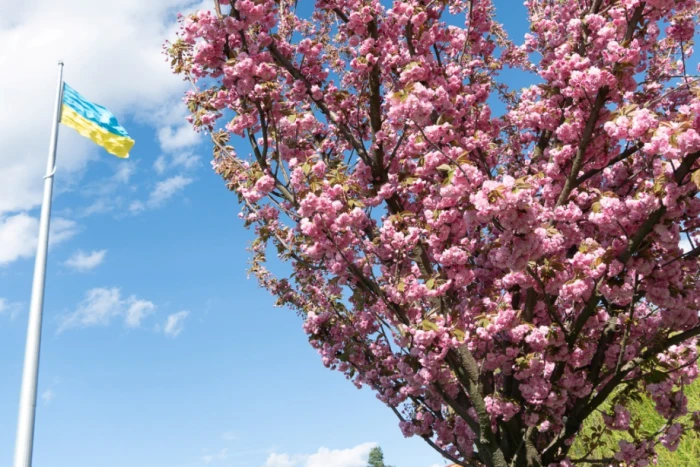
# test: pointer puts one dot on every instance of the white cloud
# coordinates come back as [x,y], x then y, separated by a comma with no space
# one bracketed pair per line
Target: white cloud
[136,207]
[166,189]
[160,165]
[19,235]
[61,230]
[354,457]
[137,311]
[281,460]
[173,139]
[221,455]
[175,323]
[100,206]
[324,457]
[123,70]
[102,305]
[124,172]
[685,244]
[48,395]
[229,436]
[176,140]
[81,261]
[108,194]
[12,309]
[163,191]
[15,234]
[184,160]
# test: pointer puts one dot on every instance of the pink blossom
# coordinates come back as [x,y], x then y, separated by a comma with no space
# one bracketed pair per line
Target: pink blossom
[486,270]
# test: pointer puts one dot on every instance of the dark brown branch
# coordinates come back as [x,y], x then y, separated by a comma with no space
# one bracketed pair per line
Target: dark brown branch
[445,454]
[547,301]
[632,247]
[644,230]
[577,162]
[341,15]
[632,25]
[601,461]
[466,369]
[577,417]
[625,337]
[398,145]
[409,39]
[263,165]
[620,157]
[344,129]
[587,312]
[530,302]
[437,55]
[542,143]
[375,108]
[694,253]
[263,128]
[217,7]
[460,409]
[432,444]
[600,100]
[595,6]
[648,225]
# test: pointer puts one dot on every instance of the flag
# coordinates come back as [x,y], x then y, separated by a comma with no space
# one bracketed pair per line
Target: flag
[94,122]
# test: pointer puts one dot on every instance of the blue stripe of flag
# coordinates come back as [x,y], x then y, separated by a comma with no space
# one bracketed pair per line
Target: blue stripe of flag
[92,112]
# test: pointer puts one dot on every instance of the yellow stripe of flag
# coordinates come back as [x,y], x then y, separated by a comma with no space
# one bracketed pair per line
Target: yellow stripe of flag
[94,122]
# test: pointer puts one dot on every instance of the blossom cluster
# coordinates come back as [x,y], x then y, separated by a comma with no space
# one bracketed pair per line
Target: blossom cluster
[495,279]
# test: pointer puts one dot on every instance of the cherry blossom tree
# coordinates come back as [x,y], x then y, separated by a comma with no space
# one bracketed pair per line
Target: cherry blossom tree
[495,277]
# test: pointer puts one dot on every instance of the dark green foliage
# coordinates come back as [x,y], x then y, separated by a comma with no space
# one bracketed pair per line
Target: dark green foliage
[376,458]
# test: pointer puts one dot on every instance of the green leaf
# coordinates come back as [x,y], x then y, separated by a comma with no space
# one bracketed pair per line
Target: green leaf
[449,177]
[673,140]
[483,322]
[401,287]
[695,177]
[411,65]
[444,167]
[430,284]
[656,376]
[429,325]
[496,194]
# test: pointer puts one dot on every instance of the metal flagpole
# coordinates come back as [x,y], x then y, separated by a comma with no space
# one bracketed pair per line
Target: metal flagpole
[27,400]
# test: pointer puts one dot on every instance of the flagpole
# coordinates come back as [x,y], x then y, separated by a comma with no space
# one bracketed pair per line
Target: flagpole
[30,373]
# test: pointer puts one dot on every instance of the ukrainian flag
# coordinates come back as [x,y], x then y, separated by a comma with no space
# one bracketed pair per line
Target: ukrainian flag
[94,122]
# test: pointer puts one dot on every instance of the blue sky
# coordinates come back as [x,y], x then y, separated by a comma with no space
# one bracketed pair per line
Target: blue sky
[157,351]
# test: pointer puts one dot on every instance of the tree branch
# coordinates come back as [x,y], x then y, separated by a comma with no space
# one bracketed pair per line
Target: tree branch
[569,185]
[344,129]
[466,368]
[600,100]
[576,419]
[375,108]
[620,157]
[648,225]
